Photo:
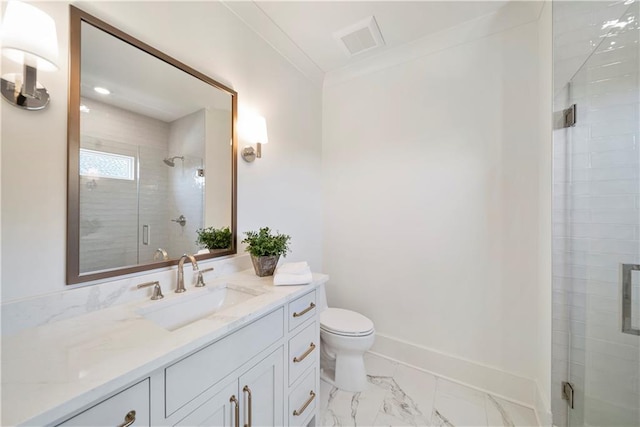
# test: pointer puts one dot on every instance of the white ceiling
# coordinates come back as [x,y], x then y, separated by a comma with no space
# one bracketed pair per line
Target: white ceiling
[140,82]
[311,24]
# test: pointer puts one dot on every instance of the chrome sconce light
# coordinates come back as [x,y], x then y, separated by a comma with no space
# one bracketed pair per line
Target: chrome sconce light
[254,130]
[29,38]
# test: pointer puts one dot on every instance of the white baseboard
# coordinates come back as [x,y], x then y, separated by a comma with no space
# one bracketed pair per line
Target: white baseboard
[503,384]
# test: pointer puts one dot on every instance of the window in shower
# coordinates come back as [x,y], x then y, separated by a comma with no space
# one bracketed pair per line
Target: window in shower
[99,164]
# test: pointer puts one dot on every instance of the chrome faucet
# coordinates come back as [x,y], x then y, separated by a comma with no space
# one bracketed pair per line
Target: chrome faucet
[180,287]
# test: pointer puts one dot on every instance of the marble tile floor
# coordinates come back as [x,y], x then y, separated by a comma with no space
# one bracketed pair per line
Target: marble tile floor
[398,395]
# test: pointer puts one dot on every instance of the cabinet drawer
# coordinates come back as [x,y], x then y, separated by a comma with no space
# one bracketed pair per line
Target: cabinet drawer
[302,309]
[186,379]
[114,411]
[303,399]
[303,351]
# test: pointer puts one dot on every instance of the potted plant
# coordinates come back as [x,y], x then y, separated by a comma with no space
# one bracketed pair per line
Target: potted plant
[214,238]
[265,249]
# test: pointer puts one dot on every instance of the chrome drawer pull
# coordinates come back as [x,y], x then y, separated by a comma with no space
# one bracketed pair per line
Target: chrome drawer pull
[129,419]
[299,412]
[305,354]
[305,311]
[234,400]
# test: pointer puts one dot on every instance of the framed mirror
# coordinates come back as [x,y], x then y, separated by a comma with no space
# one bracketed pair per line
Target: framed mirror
[151,155]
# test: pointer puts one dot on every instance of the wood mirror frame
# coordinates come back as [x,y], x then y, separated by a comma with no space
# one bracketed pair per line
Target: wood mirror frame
[74,276]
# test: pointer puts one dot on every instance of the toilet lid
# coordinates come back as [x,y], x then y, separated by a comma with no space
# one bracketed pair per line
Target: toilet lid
[345,322]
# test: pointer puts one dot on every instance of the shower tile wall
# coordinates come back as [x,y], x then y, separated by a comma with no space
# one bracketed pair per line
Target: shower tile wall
[186,138]
[596,227]
[152,201]
[217,212]
[116,224]
[108,211]
[578,26]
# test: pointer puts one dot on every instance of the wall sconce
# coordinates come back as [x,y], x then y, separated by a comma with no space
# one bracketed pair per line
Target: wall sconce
[29,38]
[255,130]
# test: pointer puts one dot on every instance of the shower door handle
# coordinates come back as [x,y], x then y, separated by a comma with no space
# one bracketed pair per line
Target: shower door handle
[627,306]
[145,234]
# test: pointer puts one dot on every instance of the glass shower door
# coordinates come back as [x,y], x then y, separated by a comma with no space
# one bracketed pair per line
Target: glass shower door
[597,236]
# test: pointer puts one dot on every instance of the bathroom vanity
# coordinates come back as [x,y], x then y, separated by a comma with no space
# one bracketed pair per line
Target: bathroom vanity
[253,361]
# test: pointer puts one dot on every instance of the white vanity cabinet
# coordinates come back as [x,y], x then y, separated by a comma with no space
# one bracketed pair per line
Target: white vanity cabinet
[265,373]
[253,399]
[303,360]
[194,374]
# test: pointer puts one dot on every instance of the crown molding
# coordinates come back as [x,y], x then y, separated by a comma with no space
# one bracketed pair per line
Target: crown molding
[258,21]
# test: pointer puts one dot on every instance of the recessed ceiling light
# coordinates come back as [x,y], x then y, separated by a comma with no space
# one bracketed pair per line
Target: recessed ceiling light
[102,90]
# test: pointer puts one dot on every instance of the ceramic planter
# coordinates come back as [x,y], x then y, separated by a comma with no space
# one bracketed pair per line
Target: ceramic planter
[265,265]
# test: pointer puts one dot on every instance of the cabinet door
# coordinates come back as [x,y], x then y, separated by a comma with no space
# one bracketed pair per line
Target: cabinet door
[262,390]
[217,411]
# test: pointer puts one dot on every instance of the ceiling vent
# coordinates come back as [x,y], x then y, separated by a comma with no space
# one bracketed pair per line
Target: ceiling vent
[360,37]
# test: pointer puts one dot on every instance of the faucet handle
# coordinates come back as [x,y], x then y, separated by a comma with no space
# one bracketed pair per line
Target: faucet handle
[200,283]
[160,253]
[157,291]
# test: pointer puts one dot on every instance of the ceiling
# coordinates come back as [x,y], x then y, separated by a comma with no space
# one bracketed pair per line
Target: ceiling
[140,82]
[311,25]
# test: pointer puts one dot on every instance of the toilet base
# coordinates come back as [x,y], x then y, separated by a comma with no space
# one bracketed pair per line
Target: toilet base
[350,373]
[345,369]
[354,380]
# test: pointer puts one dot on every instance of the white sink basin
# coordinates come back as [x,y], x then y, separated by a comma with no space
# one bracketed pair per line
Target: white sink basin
[180,310]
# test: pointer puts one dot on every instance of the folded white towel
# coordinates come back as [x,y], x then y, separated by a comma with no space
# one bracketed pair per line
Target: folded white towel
[294,268]
[292,279]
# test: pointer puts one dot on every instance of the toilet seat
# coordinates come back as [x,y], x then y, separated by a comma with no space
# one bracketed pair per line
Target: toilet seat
[345,323]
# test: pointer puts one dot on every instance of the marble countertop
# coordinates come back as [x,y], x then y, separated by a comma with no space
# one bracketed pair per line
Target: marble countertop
[54,369]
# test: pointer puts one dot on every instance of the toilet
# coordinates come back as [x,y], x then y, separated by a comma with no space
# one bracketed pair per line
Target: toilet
[345,336]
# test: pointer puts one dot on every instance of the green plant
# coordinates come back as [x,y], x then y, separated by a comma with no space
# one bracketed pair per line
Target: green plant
[263,243]
[214,238]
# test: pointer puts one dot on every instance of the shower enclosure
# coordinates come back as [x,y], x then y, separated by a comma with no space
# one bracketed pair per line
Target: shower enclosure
[132,200]
[596,208]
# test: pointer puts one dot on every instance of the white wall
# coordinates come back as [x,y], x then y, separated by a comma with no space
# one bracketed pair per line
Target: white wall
[210,38]
[431,178]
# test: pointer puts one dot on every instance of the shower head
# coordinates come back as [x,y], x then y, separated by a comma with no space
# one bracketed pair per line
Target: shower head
[170,161]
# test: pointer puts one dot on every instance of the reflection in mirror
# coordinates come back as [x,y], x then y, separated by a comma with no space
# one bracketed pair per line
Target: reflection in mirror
[151,155]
